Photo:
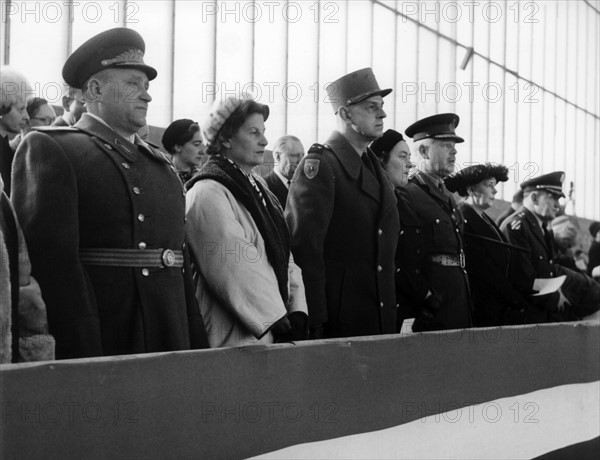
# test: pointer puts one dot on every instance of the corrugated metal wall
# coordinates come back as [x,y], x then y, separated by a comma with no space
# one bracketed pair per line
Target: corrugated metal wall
[527,97]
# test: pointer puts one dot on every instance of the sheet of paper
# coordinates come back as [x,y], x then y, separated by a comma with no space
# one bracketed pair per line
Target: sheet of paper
[548,285]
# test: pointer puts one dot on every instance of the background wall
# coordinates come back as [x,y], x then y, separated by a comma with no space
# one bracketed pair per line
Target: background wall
[522,75]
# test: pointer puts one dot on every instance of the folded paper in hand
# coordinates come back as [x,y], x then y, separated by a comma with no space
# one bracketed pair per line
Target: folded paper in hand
[548,285]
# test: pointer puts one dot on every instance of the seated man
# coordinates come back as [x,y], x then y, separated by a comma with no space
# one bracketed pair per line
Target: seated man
[579,296]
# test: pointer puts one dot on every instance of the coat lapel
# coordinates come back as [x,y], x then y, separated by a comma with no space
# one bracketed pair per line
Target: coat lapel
[537,231]
[424,180]
[352,164]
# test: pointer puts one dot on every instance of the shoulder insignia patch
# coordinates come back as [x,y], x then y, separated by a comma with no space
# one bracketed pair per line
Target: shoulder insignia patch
[311,168]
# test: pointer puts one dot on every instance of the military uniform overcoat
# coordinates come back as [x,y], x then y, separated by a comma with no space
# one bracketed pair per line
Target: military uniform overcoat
[433,230]
[523,229]
[344,226]
[83,188]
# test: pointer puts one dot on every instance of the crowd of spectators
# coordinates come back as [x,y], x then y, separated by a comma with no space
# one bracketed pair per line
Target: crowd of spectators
[112,245]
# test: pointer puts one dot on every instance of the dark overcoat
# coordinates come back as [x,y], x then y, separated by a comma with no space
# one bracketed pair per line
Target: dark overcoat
[87,187]
[497,288]
[411,286]
[522,229]
[277,187]
[344,226]
[436,229]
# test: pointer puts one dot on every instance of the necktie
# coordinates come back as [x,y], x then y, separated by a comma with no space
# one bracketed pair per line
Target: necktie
[367,162]
[549,238]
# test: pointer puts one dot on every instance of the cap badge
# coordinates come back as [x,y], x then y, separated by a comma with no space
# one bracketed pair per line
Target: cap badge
[132,56]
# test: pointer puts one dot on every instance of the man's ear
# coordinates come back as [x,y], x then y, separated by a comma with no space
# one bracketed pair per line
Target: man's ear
[94,90]
[535,197]
[344,114]
[424,151]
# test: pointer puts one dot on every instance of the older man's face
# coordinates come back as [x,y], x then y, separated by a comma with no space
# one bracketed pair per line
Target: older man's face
[124,98]
[545,205]
[440,158]
[366,117]
[290,155]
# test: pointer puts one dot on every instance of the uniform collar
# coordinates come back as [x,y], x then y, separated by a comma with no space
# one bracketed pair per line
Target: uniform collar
[131,138]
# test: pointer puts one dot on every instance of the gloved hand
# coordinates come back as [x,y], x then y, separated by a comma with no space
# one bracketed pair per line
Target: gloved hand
[281,326]
[298,328]
[425,320]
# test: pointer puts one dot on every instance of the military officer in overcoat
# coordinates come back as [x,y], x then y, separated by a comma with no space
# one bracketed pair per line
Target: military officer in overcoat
[343,220]
[103,215]
[529,228]
[433,230]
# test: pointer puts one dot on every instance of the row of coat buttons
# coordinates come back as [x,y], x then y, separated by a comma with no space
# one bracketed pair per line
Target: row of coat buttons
[417,271]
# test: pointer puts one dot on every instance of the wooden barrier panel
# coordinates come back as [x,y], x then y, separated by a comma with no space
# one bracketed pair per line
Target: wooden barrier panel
[235,403]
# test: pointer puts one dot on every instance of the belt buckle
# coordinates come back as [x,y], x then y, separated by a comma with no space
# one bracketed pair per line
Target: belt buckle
[168,258]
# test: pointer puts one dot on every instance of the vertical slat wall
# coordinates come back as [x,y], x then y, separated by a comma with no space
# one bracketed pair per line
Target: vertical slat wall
[528,96]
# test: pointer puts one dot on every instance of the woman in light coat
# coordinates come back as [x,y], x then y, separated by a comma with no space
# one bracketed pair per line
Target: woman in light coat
[248,288]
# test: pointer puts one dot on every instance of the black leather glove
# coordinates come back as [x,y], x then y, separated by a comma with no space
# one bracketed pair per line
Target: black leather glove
[425,320]
[298,328]
[299,323]
[281,326]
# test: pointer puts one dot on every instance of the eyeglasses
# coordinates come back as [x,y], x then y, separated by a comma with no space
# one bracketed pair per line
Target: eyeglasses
[47,121]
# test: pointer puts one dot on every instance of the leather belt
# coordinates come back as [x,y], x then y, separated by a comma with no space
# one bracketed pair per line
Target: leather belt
[142,258]
[448,260]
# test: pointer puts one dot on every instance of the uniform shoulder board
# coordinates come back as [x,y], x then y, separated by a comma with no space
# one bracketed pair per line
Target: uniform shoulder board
[318,148]
[54,128]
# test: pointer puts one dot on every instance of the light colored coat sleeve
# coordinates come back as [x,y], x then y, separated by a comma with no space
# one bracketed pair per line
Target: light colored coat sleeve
[297,300]
[231,256]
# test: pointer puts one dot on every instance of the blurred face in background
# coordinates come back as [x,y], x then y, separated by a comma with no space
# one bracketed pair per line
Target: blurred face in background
[43,116]
[15,119]
[76,106]
[289,155]
[190,154]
